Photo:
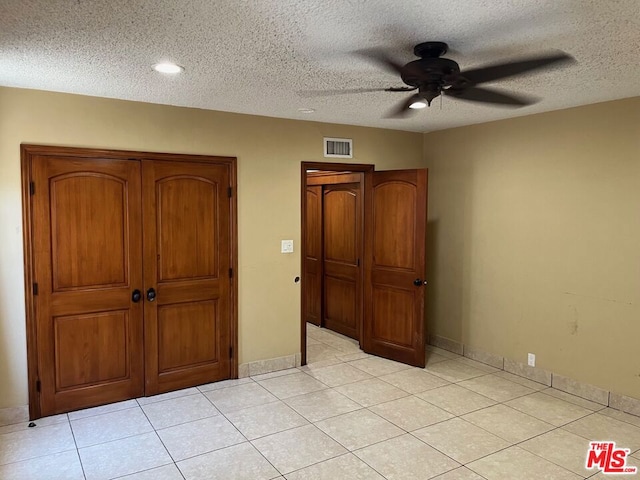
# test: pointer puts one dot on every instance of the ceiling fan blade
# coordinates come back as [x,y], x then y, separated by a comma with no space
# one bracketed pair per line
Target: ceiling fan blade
[344,91]
[490,95]
[400,89]
[348,91]
[510,69]
[382,59]
[402,110]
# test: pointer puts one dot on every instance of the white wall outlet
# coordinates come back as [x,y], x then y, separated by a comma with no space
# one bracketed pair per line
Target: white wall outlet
[531,359]
[287,246]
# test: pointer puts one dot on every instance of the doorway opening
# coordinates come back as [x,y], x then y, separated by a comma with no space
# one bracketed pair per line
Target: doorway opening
[333,249]
[363,257]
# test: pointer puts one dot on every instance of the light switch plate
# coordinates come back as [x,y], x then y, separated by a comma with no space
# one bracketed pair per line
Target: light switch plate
[287,246]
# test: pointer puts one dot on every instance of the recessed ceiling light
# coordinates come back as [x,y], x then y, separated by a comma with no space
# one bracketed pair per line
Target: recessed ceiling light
[418,104]
[167,67]
[306,110]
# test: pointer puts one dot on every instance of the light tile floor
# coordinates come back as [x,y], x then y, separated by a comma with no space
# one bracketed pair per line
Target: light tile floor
[346,415]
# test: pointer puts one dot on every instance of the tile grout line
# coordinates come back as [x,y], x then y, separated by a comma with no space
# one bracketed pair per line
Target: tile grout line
[561,427]
[161,442]
[533,391]
[156,402]
[453,459]
[75,447]
[540,456]
[243,435]
[135,400]
[347,451]
[84,474]
[409,394]
[512,444]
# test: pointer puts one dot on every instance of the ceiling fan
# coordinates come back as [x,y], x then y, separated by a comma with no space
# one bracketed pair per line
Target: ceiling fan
[432,76]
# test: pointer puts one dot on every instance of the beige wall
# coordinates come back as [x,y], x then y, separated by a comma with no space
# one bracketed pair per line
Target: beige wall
[269,153]
[535,240]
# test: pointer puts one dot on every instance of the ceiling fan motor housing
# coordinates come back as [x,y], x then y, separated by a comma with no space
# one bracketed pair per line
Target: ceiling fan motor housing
[429,75]
[430,49]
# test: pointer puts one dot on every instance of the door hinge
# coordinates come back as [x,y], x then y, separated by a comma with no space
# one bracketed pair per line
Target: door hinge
[230,352]
[231,273]
[357,262]
[230,192]
[38,386]
[35,289]
[32,188]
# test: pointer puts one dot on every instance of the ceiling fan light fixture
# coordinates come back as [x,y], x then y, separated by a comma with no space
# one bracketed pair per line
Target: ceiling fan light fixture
[167,67]
[418,104]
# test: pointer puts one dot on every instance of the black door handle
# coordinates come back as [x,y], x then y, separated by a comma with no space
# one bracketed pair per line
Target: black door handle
[151,295]
[136,296]
[418,283]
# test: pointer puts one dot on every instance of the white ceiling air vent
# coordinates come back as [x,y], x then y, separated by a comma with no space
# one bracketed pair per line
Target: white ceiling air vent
[338,147]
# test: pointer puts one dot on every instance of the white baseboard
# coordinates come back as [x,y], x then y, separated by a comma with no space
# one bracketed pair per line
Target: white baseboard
[584,390]
[11,415]
[269,365]
[446,344]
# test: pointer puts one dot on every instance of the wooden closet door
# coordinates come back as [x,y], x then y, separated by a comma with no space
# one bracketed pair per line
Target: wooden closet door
[186,218]
[86,233]
[342,224]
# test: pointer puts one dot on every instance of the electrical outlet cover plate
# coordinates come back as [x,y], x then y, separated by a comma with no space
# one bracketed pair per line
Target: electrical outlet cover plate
[531,359]
[287,246]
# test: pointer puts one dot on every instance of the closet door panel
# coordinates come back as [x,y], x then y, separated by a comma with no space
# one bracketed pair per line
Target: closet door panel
[87,241]
[187,265]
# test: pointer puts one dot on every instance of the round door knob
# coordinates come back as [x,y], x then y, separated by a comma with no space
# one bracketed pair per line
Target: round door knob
[418,282]
[136,296]
[151,294]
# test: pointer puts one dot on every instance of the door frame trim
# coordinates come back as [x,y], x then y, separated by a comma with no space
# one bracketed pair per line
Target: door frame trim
[27,245]
[367,170]
[27,152]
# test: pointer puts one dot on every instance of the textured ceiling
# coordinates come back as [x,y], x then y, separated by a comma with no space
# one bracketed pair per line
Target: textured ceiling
[261,56]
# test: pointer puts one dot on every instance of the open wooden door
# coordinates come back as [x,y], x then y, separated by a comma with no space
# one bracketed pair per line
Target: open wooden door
[396,211]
